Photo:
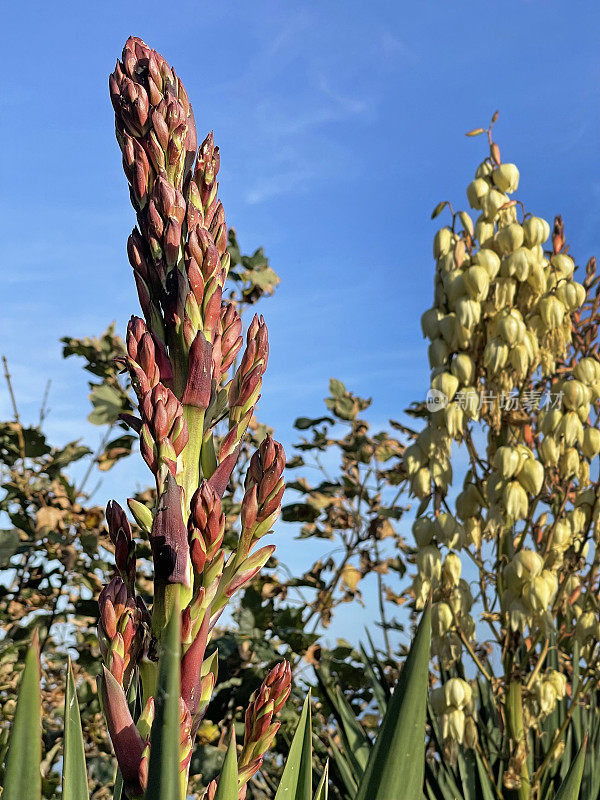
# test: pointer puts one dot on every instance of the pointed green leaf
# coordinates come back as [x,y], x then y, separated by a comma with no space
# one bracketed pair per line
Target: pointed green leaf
[74,776]
[23,779]
[118,788]
[378,690]
[376,662]
[163,769]
[429,795]
[397,761]
[322,792]
[440,785]
[467,775]
[296,781]
[443,782]
[343,767]
[569,789]
[356,743]
[485,785]
[446,770]
[577,727]
[227,788]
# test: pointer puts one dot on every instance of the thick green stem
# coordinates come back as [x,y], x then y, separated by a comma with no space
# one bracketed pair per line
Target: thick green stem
[190,475]
[514,710]
[149,675]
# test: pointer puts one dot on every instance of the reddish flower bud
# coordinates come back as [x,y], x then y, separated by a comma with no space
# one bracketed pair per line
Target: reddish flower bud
[126,740]
[164,423]
[218,228]
[230,330]
[245,387]
[264,487]
[204,180]
[191,668]
[185,736]
[206,526]
[249,511]
[117,628]
[220,477]
[157,134]
[111,605]
[117,521]
[260,726]
[202,249]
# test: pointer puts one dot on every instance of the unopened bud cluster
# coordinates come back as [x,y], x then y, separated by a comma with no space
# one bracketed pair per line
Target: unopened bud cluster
[179,357]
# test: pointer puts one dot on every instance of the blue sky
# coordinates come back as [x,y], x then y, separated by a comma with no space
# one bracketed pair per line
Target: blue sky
[341,125]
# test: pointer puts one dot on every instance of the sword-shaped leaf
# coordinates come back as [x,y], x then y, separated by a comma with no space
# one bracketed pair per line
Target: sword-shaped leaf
[163,769]
[343,767]
[23,779]
[296,781]
[379,692]
[357,746]
[322,792]
[569,789]
[397,761]
[227,788]
[74,776]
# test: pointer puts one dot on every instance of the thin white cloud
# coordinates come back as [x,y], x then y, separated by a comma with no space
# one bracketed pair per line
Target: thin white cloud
[277,184]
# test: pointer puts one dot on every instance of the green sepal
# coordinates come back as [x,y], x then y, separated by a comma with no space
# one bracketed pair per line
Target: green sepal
[148,671]
[208,457]
[142,514]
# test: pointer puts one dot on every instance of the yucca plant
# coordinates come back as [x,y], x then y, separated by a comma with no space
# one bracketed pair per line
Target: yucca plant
[179,357]
[510,559]
[159,670]
[514,359]
[473,774]
[392,766]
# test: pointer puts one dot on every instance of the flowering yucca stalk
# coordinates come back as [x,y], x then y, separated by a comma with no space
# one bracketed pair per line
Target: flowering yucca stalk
[179,356]
[515,379]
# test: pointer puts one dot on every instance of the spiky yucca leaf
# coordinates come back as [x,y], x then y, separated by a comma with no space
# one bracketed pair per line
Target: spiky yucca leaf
[163,770]
[397,761]
[356,742]
[23,779]
[227,788]
[344,769]
[74,776]
[569,789]
[322,792]
[296,780]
